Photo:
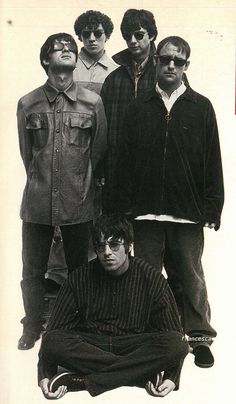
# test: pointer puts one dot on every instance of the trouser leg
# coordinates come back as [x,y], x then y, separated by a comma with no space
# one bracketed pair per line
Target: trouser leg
[76,241]
[36,242]
[185,246]
[79,352]
[141,356]
[149,241]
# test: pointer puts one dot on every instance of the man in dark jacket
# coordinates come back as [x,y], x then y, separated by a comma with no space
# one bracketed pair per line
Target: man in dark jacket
[62,134]
[135,75]
[115,323]
[170,181]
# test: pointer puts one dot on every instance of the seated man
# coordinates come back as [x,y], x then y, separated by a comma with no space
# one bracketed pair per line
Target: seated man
[115,323]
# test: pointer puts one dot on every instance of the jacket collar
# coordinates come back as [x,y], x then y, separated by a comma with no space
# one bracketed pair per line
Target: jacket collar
[189,94]
[88,61]
[52,92]
[124,58]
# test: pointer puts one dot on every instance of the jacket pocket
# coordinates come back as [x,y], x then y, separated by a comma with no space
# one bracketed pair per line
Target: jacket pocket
[80,130]
[37,125]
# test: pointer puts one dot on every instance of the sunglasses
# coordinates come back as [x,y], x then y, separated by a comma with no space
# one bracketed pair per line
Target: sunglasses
[113,245]
[137,34]
[165,60]
[97,33]
[58,46]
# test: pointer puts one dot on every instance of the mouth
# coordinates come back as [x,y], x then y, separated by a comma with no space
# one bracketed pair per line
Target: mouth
[66,57]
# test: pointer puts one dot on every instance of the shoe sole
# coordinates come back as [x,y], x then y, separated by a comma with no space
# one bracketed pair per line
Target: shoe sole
[54,380]
[203,365]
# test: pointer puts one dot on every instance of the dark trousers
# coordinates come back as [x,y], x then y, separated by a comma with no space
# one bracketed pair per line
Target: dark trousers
[179,247]
[36,243]
[110,362]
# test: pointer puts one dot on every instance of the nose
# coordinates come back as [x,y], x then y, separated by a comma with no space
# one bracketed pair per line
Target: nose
[133,39]
[171,65]
[92,37]
[66,47]
[107,250]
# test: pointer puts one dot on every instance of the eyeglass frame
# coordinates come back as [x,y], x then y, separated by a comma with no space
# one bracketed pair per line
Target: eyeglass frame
[100,247]
[127,36]
[96,32]
[71,47]
[179,62]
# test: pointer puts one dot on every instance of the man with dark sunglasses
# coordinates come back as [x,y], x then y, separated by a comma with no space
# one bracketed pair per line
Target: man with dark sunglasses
[135,75]
[62,135]
[115,323]
[93,28]
[170,180]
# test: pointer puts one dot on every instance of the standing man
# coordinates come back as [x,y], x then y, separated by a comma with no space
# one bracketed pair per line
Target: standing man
[93,65]
[115,323]
[62,134]
[170,181]
[135,75]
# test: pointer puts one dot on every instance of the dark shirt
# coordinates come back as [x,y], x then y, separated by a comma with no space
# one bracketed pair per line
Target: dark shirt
[138,301]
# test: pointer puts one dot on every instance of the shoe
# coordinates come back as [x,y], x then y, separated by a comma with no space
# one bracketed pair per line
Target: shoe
[27,341]
[72,381]
[203,356]
[156,381]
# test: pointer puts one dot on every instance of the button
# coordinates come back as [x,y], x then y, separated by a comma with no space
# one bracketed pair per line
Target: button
[58,111]
[57,150]
[55,189]
[57,130]
[56,170]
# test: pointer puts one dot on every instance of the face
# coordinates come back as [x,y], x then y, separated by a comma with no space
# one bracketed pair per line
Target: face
[169,74]
[94,40]
[112,255]
[138,43]
[61,59]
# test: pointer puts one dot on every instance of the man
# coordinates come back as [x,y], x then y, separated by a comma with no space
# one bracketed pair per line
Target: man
[93,66]
[115,323]
[62,134]
[170,181]
[135,75]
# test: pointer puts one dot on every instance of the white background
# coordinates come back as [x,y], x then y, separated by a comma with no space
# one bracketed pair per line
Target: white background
[209,27]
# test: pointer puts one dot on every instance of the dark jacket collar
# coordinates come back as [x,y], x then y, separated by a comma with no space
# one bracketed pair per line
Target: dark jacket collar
[124,58]
[52,92]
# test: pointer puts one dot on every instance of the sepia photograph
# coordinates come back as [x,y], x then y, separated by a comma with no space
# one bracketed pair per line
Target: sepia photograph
[117,179]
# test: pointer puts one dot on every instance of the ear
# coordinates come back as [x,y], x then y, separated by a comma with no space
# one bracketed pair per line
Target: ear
[187,65]
[45,62]
[151,38]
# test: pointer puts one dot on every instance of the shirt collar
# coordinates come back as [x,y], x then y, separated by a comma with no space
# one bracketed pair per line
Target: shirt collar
[179,91]
[139,67]
[52,92]
[88,61]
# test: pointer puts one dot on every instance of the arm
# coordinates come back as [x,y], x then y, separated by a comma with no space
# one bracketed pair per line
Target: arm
[214,187]
[24,136]
[99,143]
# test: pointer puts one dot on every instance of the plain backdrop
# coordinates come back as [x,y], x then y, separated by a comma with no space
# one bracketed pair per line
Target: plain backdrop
[209,27]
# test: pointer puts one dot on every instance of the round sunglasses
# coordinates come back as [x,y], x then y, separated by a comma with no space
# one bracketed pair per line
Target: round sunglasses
[97,33]
[137,34]
[165,60]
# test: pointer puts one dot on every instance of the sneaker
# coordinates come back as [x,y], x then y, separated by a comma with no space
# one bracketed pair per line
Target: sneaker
[203,356]
[27,341]
[72,381]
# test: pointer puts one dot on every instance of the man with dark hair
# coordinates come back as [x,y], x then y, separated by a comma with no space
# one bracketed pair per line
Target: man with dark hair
[170,181]
[135,75]
[115,323]
[93,28]
[62,135]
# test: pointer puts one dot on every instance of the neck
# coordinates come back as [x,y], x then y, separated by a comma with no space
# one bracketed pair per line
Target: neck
[168,89]
[95,57]
[60,80]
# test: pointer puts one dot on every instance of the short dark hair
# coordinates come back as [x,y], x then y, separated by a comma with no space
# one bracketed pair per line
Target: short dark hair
[134,19]
[115,226]
[177,41]
[47,46]
[91,19]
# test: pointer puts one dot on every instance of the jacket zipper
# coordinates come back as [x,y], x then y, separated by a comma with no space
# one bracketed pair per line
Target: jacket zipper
[167,118]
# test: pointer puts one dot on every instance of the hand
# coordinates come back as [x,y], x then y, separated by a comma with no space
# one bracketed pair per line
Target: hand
[60,392]
[210,225]
[165,388]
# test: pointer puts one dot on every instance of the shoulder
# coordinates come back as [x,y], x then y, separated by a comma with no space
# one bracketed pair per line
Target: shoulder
[200,99]
[87,96]
[147,271]
[32,96]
